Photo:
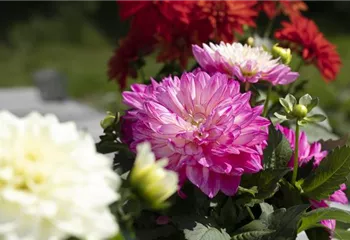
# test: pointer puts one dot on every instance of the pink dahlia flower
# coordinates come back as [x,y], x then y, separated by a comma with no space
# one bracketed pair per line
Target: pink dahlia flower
[203,125]
[243,63]
[306,153]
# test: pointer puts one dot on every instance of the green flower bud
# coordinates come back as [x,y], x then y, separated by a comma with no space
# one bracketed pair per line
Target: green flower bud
[153,183]
[300,111]
[107,121]
[250,41]
[283,53]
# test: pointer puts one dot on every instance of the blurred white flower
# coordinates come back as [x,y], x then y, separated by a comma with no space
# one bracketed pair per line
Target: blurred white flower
[53,183]
[153,182]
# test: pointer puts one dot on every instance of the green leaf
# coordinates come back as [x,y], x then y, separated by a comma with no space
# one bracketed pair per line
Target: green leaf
[286,105]
[331,144]
[252,235]
[318,131]
[305,100]
[266,208]
[205,232]
[312,218]
[288,102]
[281,116]
[287,225]
[342,234]
[278,151]
[313,104]
[327,178]
[315,118]
[266,182]
[228,214]
[317,233]
[252,191]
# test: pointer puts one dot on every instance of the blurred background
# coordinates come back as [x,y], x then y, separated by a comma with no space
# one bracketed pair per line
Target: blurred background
[78,38]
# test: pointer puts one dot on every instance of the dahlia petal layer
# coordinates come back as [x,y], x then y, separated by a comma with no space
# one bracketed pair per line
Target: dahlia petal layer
[202,124]
[243,63]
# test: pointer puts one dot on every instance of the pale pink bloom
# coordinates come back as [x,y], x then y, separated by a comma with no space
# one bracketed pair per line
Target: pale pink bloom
[243,63]
[202,124]
[305,153]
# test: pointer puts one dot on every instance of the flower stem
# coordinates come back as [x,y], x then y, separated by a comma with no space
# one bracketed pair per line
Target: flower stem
[296,154]
[250,212]
[269,28]
[143,75]
[266,104]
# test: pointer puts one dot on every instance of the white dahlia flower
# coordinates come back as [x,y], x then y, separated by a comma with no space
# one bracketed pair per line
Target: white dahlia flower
[154,183]
[53,183]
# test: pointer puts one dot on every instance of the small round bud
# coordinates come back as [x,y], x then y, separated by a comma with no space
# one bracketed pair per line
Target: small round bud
[283,53]
[250,41]
[152,181]
[299,111]
[107,121]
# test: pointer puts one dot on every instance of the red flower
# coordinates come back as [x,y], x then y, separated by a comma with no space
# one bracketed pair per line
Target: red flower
[123,63]
[178,48]
[155,17]
[288,8]
[221,19]
[302,35]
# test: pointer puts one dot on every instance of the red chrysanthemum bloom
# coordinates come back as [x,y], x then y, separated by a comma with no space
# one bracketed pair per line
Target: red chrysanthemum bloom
[155,17]
[178,48]
[122,63]
[224,18]
[288,8]
[303,36]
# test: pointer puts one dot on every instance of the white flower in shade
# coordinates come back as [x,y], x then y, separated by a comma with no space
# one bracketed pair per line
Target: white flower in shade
[53,183]
[243,63]
[153,182]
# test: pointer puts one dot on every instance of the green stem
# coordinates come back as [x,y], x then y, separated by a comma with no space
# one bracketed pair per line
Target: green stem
[269,28]
[296,154]
[250,213]
[266,104]
[143,75]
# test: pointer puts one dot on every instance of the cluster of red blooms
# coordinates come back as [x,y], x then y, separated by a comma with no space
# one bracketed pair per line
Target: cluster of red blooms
[303,36]
[173,26]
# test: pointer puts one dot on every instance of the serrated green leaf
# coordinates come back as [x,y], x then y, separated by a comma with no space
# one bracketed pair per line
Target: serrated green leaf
[205,232]
[310,219]
[305,100]
[252,235]
[278,151]
[287,224]
[330,144]
[332,172]
[266,182]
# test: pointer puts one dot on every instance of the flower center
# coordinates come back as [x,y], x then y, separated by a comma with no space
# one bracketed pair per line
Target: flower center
[248,72]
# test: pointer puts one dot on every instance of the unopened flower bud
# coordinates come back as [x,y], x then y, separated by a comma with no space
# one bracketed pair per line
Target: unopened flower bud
[283,53]
[108,120]
[153,183]
[299,111]
[250,41]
